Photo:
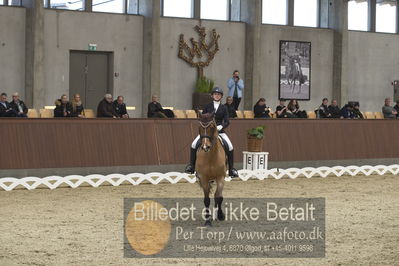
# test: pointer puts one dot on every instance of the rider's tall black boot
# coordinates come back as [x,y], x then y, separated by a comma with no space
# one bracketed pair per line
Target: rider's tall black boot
[230,159]
[190,168]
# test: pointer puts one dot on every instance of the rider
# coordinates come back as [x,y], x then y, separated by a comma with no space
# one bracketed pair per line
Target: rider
[222,122]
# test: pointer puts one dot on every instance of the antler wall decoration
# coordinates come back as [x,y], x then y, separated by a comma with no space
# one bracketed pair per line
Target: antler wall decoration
[199,49]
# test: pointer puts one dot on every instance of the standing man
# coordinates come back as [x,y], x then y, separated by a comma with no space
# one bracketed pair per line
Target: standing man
[235,85]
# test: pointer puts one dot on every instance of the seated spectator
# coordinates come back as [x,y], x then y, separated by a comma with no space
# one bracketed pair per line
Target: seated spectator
[388,110]
[77,107]
[396,107]
[293,109]
[261,110]
[347,111]
[334,109]
[106,108]
[63,107]
[323,111]
[120,107]
[356,111]
[19,106]
[230,107]
[5,107]
[155,109]
[281,110]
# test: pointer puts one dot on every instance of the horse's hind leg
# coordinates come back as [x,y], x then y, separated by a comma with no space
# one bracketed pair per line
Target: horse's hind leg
[207,203]
[219,198]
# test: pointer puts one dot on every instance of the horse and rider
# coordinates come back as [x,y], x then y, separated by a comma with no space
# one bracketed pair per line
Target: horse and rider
[208,153]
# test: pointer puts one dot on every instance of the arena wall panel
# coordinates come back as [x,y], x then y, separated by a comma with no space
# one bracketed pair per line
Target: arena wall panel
[62,143]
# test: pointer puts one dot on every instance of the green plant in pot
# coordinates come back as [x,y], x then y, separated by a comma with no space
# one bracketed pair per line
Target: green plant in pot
[201,96]
[255,138]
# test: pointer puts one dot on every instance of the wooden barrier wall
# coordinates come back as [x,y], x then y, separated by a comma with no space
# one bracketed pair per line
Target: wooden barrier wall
[64,143]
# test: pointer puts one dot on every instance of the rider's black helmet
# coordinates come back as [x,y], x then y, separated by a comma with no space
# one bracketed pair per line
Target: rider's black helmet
[217,90]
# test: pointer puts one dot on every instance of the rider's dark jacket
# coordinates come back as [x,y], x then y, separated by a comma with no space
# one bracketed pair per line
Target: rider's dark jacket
[221,115]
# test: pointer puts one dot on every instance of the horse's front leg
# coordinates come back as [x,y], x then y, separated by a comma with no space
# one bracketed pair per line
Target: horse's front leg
[207,203]
[219,199]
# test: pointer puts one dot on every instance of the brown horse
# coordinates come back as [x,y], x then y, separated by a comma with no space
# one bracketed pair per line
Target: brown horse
[211,165]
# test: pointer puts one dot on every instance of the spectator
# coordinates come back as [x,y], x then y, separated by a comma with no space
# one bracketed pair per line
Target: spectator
[63,107]
[388,110]
[106,108]
[356,111]
[323,112]
[120,107]
[19,106]
[293,109]
[260,109]
[230,107]
[77,107]
[235,86]
[396,107]
[5,107]
[347,111]
[281,110]
[334,109]
[155,109]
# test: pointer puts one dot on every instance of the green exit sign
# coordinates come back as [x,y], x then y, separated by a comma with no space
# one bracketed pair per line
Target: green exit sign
[92,47]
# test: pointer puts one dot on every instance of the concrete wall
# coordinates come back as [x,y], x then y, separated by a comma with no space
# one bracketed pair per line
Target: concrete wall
[120,34]
[178,78]
[12,50]
[373,65]
[321,62]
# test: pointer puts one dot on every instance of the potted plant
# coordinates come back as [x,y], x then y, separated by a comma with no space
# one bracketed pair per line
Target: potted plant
[201,96]
[255,138]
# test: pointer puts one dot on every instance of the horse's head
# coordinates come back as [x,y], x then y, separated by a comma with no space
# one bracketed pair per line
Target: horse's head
[207,131]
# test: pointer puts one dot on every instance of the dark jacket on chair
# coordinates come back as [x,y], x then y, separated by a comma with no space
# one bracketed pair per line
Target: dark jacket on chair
[14,106]
[62,110]
[221,115]
[106,109]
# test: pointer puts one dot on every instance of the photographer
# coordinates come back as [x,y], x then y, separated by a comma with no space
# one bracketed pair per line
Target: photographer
[235,86]
[260,109]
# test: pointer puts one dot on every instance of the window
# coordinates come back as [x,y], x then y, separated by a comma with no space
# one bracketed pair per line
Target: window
[358,15]
[386,16]
[132,6]
[64,4]
[306,13]
[1,2]
[215,9]
[274,12]
[110,6]
[178,8]
[14,2]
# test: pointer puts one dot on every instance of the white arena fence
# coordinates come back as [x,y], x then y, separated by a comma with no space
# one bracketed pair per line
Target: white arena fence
[96,180]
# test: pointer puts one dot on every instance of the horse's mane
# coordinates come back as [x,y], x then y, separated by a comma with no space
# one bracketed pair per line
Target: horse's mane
[206,118]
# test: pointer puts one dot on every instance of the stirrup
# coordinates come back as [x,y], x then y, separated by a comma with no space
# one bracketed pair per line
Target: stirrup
[233,172]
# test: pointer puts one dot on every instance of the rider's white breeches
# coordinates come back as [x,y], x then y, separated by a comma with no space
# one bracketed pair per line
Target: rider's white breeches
[222,135]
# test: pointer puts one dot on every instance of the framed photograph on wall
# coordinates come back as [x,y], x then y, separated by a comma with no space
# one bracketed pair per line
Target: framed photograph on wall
[295,70]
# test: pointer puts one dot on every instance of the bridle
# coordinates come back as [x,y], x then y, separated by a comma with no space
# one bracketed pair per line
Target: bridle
[205,126]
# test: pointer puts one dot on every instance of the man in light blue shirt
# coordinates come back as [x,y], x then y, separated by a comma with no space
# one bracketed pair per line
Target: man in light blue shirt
[235,86]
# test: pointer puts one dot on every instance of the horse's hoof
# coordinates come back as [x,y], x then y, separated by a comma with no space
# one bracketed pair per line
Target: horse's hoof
[208,223]
[221,216]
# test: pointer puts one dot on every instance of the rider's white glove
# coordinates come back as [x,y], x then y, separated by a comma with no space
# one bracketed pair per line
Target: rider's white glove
[219,127]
